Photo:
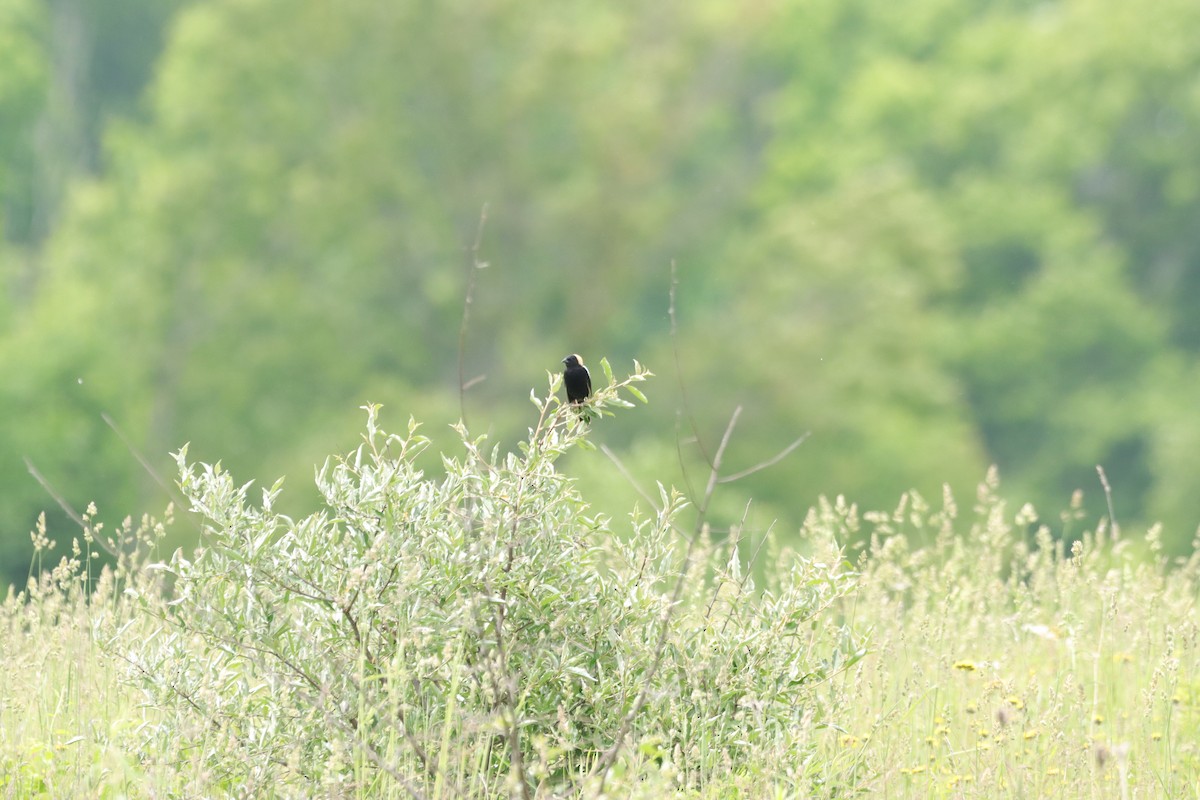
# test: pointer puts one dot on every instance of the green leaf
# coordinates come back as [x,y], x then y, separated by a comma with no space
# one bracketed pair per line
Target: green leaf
[583,673]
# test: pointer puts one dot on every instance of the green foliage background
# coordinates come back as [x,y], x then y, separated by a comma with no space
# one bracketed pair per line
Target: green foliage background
[937,235]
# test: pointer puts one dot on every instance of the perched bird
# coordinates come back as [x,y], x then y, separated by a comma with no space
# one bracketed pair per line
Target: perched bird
[576,379]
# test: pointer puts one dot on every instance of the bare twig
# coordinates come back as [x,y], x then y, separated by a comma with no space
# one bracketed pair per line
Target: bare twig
[473,266]
[379,761]
[749,569]
[606,759]
[171,491]
[609,757]
[691,418]
[319,696]
[628,476]
[504,685]
[733,553]
[58,498]
[683,470]
[713,474]
[1112,514]
[66,507]
[770,462]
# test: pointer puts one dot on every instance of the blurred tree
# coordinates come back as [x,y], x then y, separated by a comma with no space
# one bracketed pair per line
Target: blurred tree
[1006,120]
[286,237]
[23,77]
[935,234]
[92,61]
[830,326]
[23,86]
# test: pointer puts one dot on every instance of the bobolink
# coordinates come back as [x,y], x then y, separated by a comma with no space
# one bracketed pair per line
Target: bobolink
[576,379]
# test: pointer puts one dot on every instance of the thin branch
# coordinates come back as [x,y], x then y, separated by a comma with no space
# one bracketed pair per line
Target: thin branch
[770,462]
[627,475]
[1112,514]
[733,553]
[66,507]
[472,267]
[683,470]
[172,492]
[610,755]
[395,774]
[504,685]
[754,556]
[691,418]
[399,716]
[319,696]
[58,498]
[716,467]
[749,571]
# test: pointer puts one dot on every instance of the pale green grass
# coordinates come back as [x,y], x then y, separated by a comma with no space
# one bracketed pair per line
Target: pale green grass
[1002,668]
[66,721]
[1001,664]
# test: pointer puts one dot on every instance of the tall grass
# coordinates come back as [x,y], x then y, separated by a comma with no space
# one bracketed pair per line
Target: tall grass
[479,634]
[69,725]
[1008,663]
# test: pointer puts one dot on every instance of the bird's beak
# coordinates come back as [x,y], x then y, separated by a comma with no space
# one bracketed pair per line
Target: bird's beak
[564,360]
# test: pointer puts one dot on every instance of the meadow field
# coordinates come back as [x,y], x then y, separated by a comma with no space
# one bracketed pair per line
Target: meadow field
[892,244]
[479,635]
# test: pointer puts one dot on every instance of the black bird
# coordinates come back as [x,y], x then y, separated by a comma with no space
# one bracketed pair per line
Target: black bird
[576,379]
